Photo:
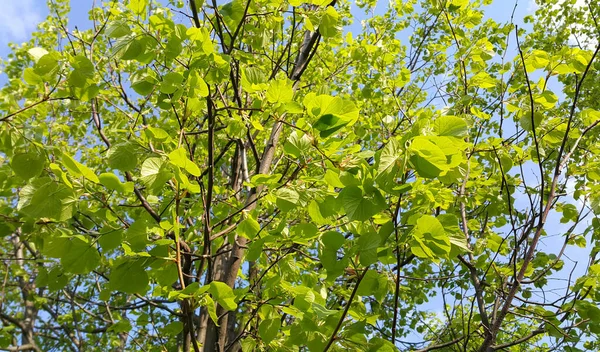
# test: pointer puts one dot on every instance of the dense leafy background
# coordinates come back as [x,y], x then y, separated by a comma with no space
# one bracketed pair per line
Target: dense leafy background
[301,175]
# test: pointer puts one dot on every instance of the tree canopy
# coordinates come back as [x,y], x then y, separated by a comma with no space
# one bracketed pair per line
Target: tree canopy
[302,175]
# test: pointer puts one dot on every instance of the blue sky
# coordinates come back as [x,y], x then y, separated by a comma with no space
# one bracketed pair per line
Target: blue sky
[18,18]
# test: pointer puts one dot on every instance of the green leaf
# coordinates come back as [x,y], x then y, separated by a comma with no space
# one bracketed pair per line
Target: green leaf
[373,283]
[451,126]
[129,275]
[248,228]
[76,254]
[390,155]
[31,77]
[483,80]
[83,65]
[44,198]
[155,173]
[304,232]
[329,124]
[526,122]
[287,199]
[77,169]
[223,294]
[268,329]
[197,86]
[171,82]
[265,179]
[429,240]
[280,91]
[122,157]
[329,23]
[110,240]
[322,105]
[27,165]
[137,235]
[122,326]
[377,344]
[117,29]
[333,179]
[128,48]
[333,240]
[427,158]
[359,205]
[173,328]
[137,6]
[112,182]
[209,303]
[47,64]
[179,158]
[37,53]
[368,244]
[297,144]
[144,85]
[314,211]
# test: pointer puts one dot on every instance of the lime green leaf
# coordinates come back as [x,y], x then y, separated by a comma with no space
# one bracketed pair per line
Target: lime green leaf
[27,165]
[209,303]
[138,6]
[248,228]
[155,173]
[280,91]
[451,126]
[297,144]
[122,157]
[314,211]
[223,294]
[47,64]
[429,240]
[197,86]
[537,59]
[76,168]
[31,77]
[359,205]
[112,182]
[179,158]
[171,82]
[483,80]
[37,53]
[329,23]
[321,105]
[427,158]
[265,179]
[117,29]
[44,198]
[390,154]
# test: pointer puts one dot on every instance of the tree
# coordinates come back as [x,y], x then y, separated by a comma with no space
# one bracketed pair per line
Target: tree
[290,175]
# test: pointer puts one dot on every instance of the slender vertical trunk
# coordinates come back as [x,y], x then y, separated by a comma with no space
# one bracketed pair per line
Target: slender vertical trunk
[27,288]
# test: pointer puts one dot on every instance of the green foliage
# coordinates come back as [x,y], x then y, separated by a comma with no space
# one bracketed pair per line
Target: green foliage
[302,176]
